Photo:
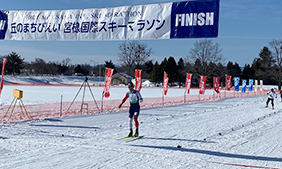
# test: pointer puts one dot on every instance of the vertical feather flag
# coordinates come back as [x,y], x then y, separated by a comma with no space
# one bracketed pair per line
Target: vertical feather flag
[138,80]
[228,83]
[202,85]
[236,83]
[188,82]
[251,84]
[108,79]
[260,84]
[2,77]
[216,84]
[165,85]
[244,86]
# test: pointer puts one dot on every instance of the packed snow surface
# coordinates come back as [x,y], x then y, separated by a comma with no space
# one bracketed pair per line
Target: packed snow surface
[230,133]
[227,133]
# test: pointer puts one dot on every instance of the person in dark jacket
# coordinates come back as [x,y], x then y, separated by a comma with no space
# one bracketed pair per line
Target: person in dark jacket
[271,94]
[134,98]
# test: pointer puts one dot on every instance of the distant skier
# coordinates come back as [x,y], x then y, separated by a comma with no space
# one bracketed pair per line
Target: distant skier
[134,98]
[271,94]
[281,95]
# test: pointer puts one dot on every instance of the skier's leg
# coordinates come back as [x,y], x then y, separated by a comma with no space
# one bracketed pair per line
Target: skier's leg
[267,102]
[272,103]
[136,126]
[136,122]
[131,113]
[130,127]
[130,123]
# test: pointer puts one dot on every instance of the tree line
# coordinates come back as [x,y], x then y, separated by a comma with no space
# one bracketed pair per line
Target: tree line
[203,59]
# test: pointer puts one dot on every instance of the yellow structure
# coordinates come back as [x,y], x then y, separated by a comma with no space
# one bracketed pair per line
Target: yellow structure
[18,95]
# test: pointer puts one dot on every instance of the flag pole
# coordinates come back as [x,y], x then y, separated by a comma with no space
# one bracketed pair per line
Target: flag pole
[102,103]
[184,97]
[163,100]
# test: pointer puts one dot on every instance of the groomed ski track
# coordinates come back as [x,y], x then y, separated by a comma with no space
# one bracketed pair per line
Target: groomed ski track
[229,133]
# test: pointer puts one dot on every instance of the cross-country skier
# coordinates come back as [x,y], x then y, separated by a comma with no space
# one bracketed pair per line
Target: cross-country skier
[134,98]
[271,94]
[281,95]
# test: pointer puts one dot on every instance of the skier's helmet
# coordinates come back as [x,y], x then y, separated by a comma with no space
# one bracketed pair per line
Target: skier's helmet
[130,85]
[272,89]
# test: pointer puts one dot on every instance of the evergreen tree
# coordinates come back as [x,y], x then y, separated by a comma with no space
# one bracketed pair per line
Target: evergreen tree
[78,69]
[233,70]
[156,74]
[212,67]
[248,72]
[14,63]
[171,69]
[263,66]
[181,73]
[148,67]
[109,64]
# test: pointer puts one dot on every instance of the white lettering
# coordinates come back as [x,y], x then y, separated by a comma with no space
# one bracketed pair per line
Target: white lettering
[201,18]
[177,19]
[2,24]
[194,19]
[209,18]
[189,19]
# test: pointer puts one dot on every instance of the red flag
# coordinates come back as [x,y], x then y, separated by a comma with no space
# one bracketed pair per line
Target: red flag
[202,85]
[108,79]
[188,82]
[138,80]
[2,77]
[165,83]
[228,83]
[216,84]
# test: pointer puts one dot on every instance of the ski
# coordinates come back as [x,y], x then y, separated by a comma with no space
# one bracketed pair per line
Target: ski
[124,138]
[132,138]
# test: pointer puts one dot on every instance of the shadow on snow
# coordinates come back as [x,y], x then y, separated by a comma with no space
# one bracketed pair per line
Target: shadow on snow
[215,153]
[64,126]
[177,139]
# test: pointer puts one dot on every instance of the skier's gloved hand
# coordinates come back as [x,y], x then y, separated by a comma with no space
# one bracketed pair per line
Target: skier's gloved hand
[141,100]
[119,106]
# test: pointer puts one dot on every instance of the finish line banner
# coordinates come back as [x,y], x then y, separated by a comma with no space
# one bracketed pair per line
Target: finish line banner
[190,19]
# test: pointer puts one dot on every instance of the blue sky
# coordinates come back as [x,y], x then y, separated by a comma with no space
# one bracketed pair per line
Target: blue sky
[245,27]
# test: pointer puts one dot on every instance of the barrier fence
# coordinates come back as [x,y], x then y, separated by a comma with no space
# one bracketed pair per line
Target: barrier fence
[54,110]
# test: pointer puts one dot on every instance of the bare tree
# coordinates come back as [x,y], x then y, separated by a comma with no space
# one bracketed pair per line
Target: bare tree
[39,66]
[206,52]
[276,46]
[133,53]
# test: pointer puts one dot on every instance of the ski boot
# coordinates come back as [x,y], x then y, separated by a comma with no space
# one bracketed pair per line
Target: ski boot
[130,133]
[136,133]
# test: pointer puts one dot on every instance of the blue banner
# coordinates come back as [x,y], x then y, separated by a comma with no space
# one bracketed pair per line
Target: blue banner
[244,86]
[194,19]
[3,24]
[236,83]
[251,85]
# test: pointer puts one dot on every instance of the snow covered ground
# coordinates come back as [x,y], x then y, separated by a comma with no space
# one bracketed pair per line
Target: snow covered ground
[228,133]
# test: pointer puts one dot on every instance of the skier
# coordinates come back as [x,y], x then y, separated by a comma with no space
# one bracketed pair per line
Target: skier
[281,95]
[271,95]
[134,98]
